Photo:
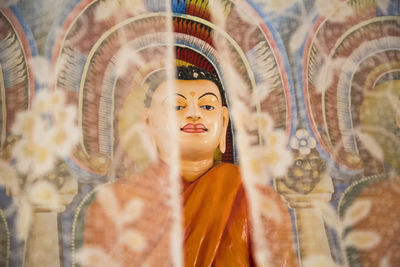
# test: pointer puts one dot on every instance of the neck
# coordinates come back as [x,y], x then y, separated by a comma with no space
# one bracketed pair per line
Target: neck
[193,169]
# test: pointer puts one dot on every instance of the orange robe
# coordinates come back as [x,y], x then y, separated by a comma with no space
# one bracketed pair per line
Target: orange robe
[216,224]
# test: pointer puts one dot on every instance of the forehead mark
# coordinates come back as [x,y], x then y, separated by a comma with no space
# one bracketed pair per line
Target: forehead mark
[192,93]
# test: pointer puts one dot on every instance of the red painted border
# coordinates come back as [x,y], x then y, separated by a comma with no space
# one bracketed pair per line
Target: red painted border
[307,46]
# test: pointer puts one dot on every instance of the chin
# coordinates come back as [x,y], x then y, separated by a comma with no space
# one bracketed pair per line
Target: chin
[197,141]
[195,153]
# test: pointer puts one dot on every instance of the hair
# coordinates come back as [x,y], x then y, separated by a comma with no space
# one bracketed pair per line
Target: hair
[154,79]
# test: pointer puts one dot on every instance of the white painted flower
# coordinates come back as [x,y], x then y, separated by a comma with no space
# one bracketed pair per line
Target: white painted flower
[65,116]
[256,121]
[47,101]
[280,161]
[44,193]
[94,257]
[132,211]
[325,73]
[48,131]
[363,240]
[265,162]
[262,122]
[109,203]
[276,139]
[26,123]
[271,159]
[57,99]
[41,102]
[63,139]
[133,240]
[356,212]
[24,217]
[370,144]
[303,142]
[33,158]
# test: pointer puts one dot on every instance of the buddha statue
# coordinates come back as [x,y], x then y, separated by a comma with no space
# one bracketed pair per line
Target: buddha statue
[216,227]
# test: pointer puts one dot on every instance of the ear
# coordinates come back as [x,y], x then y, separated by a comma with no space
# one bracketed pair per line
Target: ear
[225,121]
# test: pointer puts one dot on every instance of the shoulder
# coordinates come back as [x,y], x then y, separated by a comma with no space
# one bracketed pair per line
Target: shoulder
[226,170]
[232,173]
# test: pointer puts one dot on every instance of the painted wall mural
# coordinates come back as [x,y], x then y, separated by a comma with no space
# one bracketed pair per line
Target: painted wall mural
[199,133]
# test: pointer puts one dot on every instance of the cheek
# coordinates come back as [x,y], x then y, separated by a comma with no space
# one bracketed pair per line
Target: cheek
[297,172]
[213,121]
[180,116]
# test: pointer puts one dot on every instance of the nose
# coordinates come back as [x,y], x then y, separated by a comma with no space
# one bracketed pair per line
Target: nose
[307,166]
[193,113]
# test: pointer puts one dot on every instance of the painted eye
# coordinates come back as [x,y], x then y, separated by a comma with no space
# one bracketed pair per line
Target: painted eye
[207,107]
[299,162]
[314,162]
[179,107]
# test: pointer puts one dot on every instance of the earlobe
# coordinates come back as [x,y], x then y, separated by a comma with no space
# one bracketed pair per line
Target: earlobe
[225,121]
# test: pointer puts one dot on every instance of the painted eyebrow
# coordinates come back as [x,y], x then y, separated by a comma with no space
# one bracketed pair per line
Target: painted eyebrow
[209,93]
[181,96]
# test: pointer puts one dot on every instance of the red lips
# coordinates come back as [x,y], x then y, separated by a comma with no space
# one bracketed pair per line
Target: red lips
[194,128]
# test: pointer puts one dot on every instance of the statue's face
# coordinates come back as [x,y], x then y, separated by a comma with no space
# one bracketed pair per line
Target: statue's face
[201,120]
[305,172]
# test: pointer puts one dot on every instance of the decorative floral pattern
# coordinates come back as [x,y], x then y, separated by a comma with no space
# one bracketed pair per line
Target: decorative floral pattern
[270,158]
[47,132]
[303,142]
[44,135]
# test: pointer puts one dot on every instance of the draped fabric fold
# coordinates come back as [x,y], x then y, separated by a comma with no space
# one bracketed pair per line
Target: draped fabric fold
[215,221]
[216,224]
